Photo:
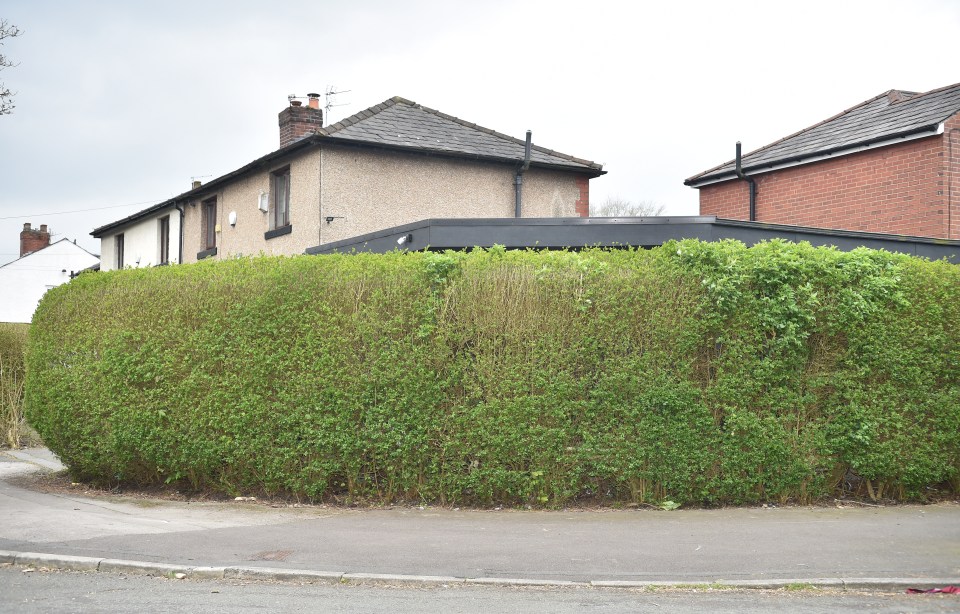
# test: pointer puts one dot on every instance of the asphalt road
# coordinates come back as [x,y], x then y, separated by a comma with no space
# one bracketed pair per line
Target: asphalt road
[54,592]
[683,546]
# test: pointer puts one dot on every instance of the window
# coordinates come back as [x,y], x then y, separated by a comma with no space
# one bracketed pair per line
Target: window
[164,227]
[280,197]
[210,223]
[118,241]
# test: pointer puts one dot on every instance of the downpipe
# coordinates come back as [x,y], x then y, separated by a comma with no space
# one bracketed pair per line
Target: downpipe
[518,180]
[751,182]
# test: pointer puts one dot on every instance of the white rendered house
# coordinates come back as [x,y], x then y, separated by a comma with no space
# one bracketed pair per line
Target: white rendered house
[148,238]
[25,280]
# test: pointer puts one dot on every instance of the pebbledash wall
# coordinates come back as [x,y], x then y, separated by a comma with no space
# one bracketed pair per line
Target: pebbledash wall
[912,188]
[366,190]
[242,196]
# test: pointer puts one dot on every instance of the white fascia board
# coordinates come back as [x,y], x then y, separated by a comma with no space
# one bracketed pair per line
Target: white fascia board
[828,156]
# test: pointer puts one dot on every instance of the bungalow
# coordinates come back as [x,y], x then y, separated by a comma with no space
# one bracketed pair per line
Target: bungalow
[395,163]
[886,165]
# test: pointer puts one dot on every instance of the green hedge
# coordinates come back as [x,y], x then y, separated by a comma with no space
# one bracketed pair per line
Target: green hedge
[702,373]
[13,344]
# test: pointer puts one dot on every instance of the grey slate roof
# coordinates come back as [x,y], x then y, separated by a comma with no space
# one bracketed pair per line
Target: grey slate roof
[399,122]
[890,115]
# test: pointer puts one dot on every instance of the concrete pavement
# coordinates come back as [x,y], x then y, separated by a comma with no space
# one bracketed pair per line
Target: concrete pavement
[852,546]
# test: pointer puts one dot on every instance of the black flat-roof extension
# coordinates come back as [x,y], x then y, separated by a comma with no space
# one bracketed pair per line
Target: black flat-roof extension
[577,233]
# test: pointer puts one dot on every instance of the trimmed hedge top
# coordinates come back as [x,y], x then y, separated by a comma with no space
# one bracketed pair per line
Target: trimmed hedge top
[703,373]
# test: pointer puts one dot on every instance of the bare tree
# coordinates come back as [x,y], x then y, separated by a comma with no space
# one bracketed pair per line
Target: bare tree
[615,206]
[6,96]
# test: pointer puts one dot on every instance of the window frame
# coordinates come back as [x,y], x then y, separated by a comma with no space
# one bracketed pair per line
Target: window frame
[209,212]
[280,198]
[118,247]
[164,230]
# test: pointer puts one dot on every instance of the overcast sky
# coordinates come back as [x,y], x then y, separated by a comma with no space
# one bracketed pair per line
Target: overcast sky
[120,104]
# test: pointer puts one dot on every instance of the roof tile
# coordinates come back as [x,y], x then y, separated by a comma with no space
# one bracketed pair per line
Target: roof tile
[888,115]
[402,123]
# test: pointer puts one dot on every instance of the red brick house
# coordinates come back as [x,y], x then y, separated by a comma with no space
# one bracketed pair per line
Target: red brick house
[890,164]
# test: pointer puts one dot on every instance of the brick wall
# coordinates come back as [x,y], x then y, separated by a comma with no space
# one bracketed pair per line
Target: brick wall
[899,189]
[297,122]
[582,206]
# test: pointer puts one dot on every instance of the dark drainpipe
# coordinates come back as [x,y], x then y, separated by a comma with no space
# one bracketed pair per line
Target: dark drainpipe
[753,187]
[519,180]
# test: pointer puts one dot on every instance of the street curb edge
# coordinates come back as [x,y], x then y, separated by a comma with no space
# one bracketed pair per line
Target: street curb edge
[106,565]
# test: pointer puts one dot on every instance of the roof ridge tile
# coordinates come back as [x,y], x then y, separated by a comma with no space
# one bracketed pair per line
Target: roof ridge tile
[933,91]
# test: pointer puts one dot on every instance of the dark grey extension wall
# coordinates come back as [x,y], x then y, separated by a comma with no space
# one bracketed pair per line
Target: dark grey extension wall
[577,233]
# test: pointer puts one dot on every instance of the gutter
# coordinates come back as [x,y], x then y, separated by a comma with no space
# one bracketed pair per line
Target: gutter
[708,178]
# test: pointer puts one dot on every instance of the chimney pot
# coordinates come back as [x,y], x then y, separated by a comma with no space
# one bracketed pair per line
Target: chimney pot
[43,228]
[196,184]
[295,103]
[314,101]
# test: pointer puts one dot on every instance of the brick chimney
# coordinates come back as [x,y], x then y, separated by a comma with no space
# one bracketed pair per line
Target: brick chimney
[298,121]
[33,240]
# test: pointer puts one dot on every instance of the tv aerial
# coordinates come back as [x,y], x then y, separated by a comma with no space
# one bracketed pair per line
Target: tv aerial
[329,100]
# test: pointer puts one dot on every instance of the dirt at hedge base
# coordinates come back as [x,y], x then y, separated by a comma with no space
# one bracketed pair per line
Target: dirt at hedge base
[60,483]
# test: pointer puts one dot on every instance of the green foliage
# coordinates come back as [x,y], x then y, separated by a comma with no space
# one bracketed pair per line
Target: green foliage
[800,586]
[696,373]
[13,342]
